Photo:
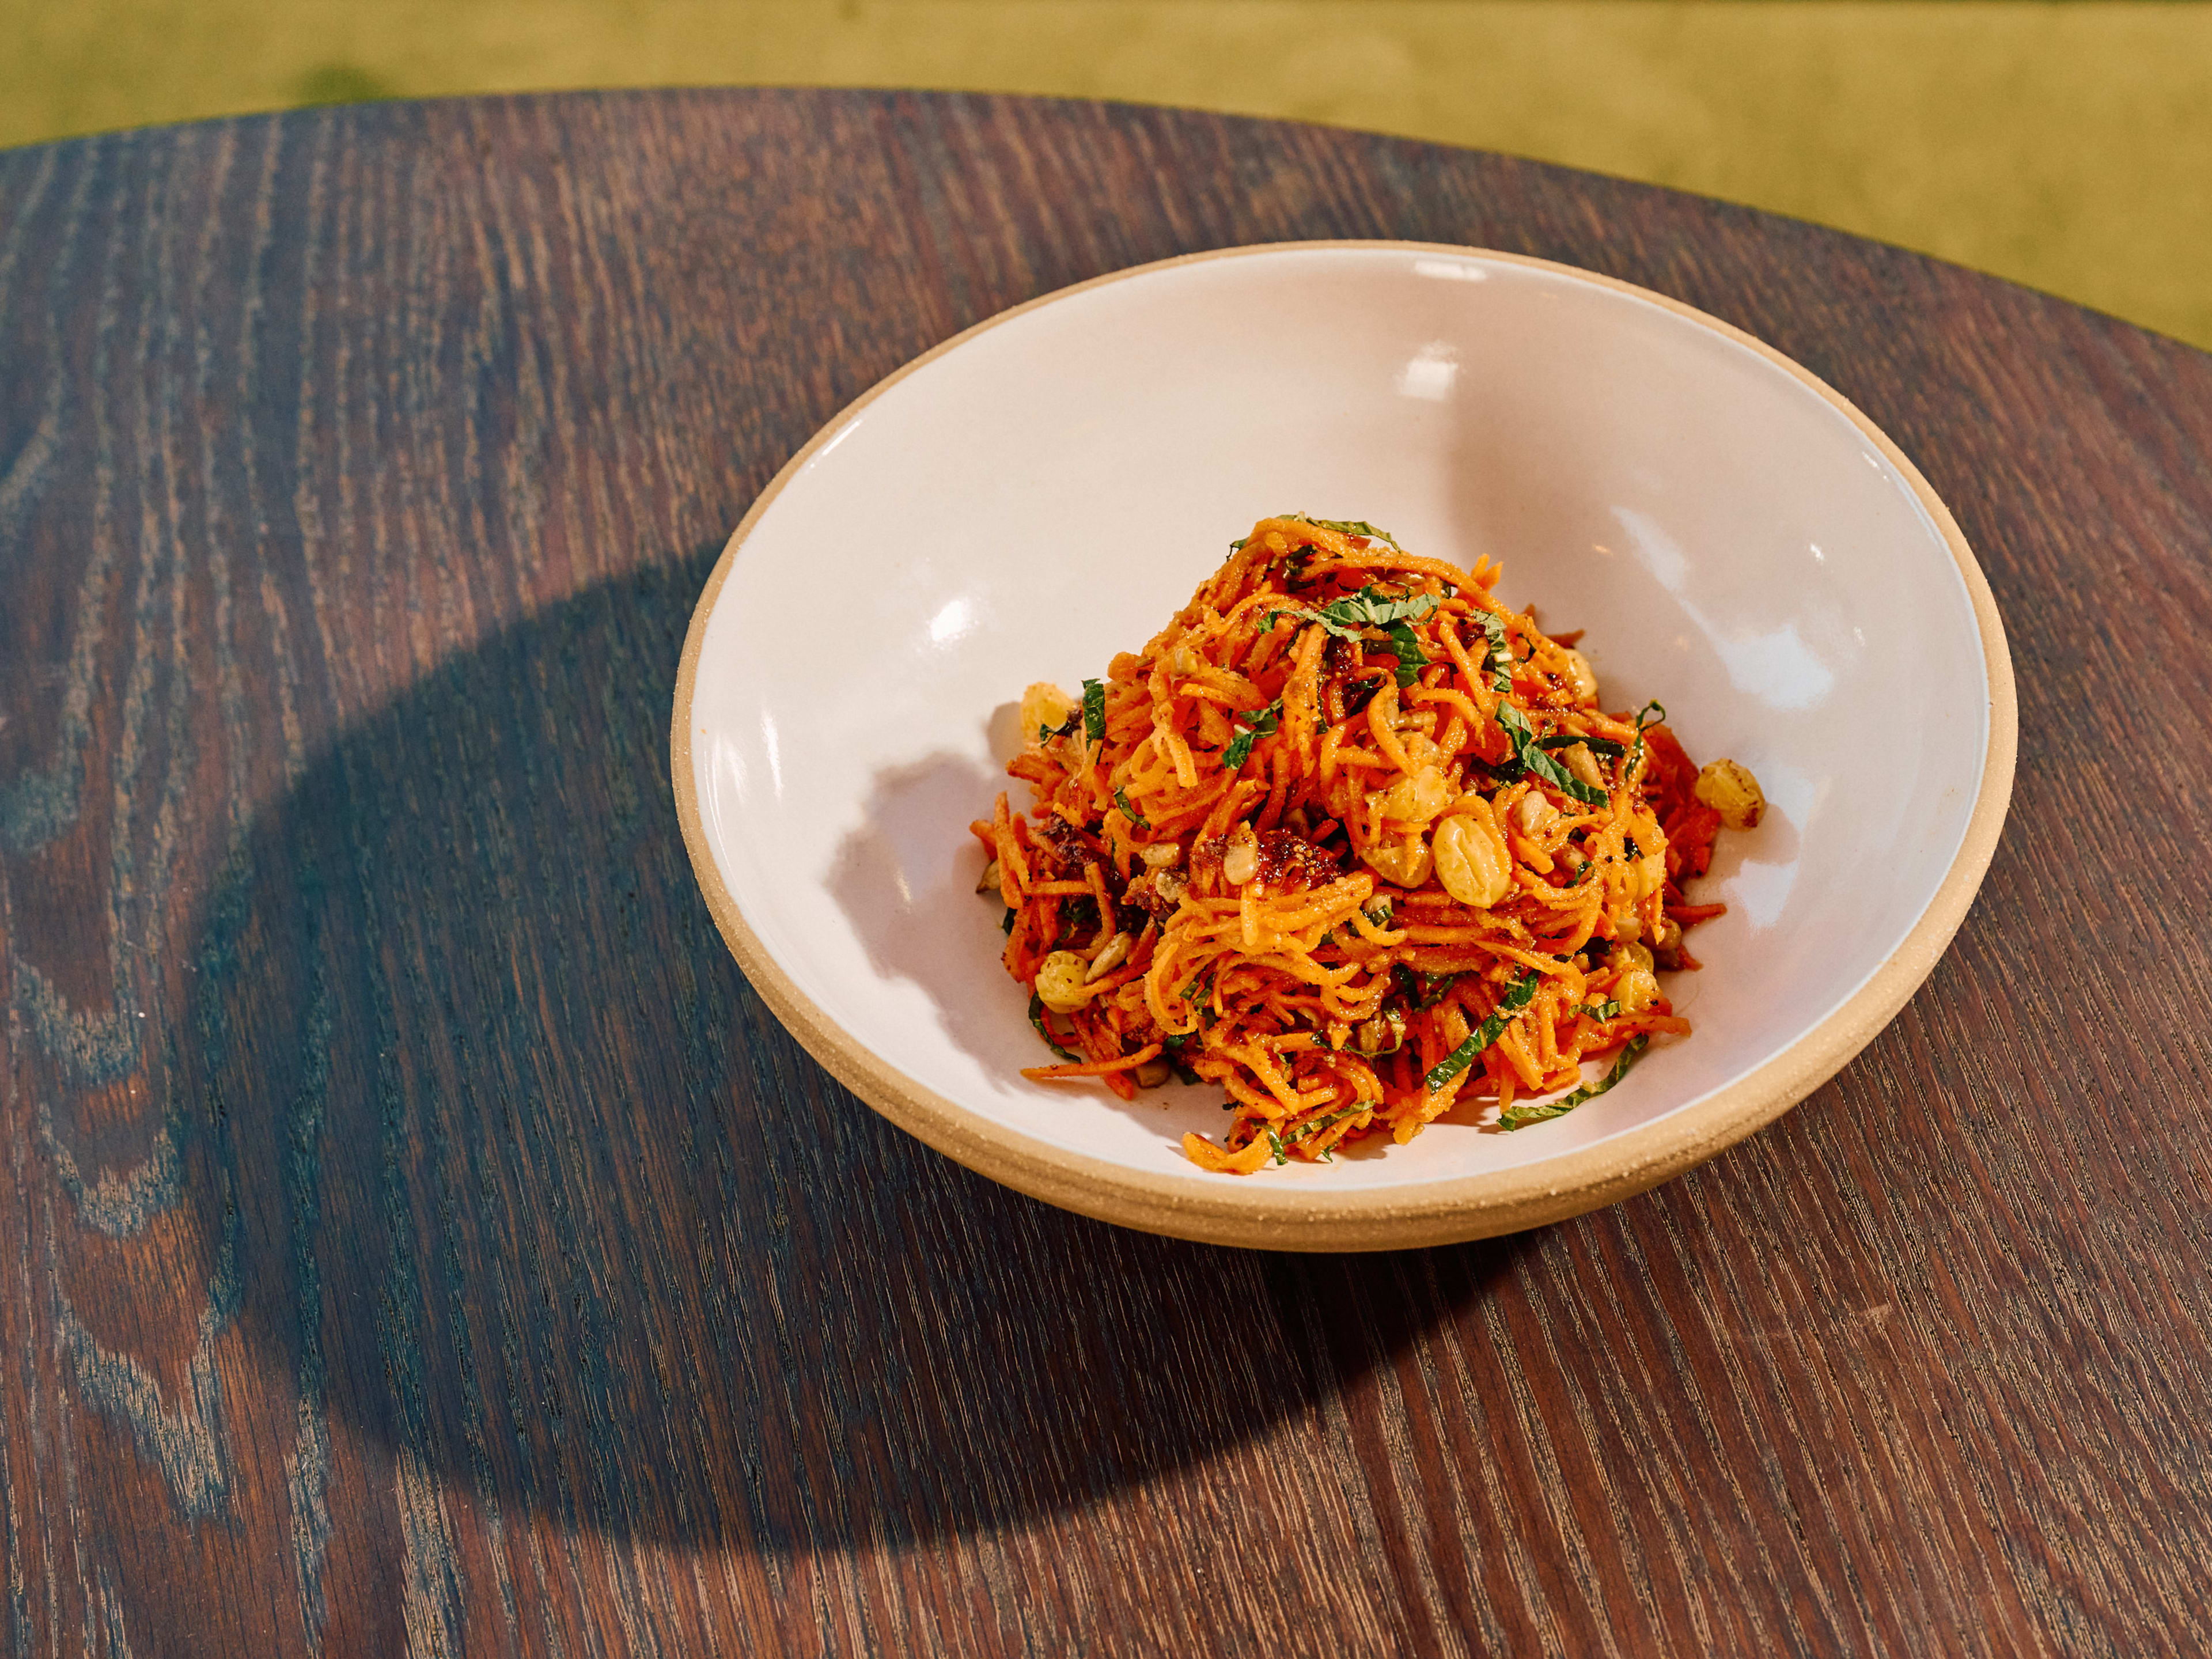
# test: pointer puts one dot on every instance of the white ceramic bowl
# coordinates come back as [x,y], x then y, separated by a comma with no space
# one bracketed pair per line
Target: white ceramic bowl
[1046,489]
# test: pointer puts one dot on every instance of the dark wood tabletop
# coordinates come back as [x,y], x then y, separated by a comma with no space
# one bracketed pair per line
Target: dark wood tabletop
[416,1234]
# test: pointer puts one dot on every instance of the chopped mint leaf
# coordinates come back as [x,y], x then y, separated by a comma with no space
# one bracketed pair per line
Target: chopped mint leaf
[1313,1126]
[1517,997]
[1407,650]
[1520,1117]
[1535,757]
[1347,527]
[1094,710]
[1249,725]
[1377,607]
[1605,747]
[1423,991]
[1037,1018]
[1433,988]
[1372,606]
[1497,652]
[1636,754]
[1532,753]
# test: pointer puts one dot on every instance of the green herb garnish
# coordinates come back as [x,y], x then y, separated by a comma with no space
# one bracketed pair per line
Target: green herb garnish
[1313,1127]
[1122,800]
[1037,1018]
[1517,997]
[1605,747]
[1609,1010]
[1532,753]
[1520,1117]
[1407,650]
[1372,606]
[1497,652]
[1094,710]
[1535,757]
[1007,926]
[1346,527]
[1636,754]
[1434,987]
[1423,991]
[1250,726]
[1080,916]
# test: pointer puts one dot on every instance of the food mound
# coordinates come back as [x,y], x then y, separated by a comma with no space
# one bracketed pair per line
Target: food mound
[1354,842]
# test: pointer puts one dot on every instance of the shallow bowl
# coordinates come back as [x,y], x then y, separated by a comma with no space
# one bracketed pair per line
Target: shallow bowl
[1048,488]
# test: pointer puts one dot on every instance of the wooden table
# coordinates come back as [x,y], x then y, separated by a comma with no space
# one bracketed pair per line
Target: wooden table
[413,1231]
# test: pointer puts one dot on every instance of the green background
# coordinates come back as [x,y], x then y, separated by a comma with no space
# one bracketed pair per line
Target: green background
[2065,145]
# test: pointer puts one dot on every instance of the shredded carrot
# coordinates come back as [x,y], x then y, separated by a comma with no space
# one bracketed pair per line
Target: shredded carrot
[1093,1067]
[1246,868]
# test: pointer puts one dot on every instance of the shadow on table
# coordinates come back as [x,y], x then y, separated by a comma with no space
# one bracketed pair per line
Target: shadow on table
[536,1194]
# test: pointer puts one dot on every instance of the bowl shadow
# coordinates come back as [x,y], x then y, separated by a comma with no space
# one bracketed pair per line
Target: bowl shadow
[533,1189]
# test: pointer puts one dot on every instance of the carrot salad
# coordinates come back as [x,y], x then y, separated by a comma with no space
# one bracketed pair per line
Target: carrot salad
[1355,842]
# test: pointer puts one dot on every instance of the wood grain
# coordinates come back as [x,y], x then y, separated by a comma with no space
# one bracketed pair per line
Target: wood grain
[415,1236]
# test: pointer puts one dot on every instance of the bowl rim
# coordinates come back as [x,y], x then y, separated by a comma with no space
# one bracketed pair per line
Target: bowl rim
[1227,1209]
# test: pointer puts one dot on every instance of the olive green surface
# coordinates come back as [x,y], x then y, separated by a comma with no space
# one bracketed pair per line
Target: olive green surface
[2066,146]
